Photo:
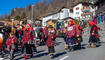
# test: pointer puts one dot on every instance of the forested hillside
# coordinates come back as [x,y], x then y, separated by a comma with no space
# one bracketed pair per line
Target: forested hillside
[43,8]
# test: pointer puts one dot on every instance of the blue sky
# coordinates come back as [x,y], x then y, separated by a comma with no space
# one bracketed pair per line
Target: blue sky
[7,5]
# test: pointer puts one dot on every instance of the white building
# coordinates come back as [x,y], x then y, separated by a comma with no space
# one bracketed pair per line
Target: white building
[64,13]
[83,10]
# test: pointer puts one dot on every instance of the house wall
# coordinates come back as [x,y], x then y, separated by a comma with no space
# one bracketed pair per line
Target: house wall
[77,12]
[90,12]
[58,16]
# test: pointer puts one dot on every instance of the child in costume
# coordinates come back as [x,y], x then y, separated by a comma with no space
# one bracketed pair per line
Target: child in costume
[11,45]
[50,40]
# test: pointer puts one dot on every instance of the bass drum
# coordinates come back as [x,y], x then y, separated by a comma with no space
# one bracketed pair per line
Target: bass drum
[1,40]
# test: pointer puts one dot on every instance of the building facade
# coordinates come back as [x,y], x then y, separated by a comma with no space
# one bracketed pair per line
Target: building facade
[84,11]
[80,11]
[64,13]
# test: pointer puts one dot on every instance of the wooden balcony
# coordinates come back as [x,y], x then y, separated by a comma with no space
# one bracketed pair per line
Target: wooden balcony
[85,9]
[86,13]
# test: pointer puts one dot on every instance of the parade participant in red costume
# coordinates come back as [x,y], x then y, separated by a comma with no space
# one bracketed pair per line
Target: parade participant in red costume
[79,36]
[11,45]
[28,40]
[71,34]
[50,40]
[45,31]
[94,36]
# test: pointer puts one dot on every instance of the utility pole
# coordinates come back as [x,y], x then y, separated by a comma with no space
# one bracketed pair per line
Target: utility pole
[32,15]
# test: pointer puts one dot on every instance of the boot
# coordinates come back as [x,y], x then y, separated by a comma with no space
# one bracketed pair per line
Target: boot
[79,45]
[89,46]
[70,49]
[94,46]
[51,56]
[66,47]
[26,57]
[31,55]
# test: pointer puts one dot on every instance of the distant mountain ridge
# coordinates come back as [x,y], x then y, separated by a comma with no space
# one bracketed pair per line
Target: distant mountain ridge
[43,8]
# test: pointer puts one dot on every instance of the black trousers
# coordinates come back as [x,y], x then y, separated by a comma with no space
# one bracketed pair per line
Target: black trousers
[33,48]
[27,48]
[51,49]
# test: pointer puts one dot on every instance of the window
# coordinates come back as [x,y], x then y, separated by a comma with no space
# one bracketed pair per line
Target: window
[77,8]
[77,13]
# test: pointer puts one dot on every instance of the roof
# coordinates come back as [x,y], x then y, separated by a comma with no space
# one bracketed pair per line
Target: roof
[51,14]
[84,3]
[67,18]
[54,20]
[59,10]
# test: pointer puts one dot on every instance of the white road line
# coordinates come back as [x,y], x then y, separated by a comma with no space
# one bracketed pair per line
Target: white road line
[64,58]
[1,58]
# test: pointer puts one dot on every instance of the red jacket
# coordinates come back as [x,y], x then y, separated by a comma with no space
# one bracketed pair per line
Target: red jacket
[28,37]
[71,31]
[95,29]
[20,32]
[11,42]
[79,30]
[51,38]
[45,31]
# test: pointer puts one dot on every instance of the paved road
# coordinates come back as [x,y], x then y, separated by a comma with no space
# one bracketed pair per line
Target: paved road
[83,54]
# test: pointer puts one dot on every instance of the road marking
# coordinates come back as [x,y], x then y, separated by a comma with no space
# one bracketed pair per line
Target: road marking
[64,58]
[1,58]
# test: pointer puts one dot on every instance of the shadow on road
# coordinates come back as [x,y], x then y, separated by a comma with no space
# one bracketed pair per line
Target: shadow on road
[59,54]
[84,46]
[22,57]
[40,55]
[40,51]
[98,45]
[57,43]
